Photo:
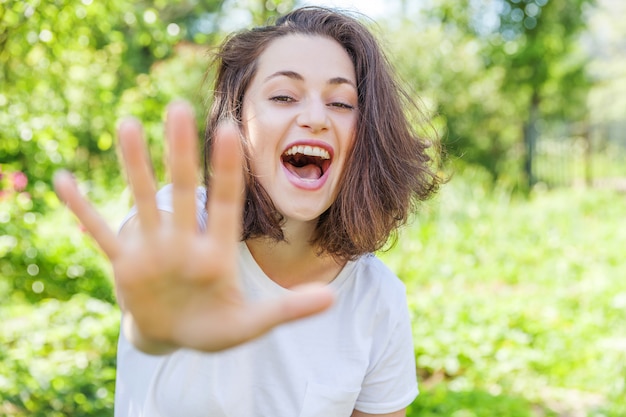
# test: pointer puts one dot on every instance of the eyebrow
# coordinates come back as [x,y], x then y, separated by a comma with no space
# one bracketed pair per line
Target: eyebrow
[296,76]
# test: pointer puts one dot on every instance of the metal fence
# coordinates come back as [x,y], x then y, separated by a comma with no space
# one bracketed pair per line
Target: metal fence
[568,155]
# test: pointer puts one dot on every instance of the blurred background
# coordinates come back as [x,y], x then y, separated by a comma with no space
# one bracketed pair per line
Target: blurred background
[515,271]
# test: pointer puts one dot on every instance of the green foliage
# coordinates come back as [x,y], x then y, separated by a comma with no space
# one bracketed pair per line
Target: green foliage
[538,46]
[46,256]
[441,401]
[263,11]
[517,303]
[58,359]
[495,72]
[476,121]
[66,68]
[70,69]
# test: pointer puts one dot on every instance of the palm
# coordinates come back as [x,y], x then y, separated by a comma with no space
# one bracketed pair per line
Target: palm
[179,286]
[171,277]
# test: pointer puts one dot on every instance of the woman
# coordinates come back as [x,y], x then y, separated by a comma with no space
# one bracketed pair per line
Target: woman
[309,107]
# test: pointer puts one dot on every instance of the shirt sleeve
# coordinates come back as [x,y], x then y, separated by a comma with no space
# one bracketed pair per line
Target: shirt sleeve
[135,371]
[391,381]
[164,203]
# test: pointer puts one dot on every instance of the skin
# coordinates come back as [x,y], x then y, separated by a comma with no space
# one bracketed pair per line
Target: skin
[178,287]
[295,99]
[304,91]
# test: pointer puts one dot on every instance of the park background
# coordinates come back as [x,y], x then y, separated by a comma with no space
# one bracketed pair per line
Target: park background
[515,272]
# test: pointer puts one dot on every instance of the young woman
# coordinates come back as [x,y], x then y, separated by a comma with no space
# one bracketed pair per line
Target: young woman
[331,167]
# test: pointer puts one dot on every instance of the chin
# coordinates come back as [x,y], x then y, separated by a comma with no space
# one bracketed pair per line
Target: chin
[307,214]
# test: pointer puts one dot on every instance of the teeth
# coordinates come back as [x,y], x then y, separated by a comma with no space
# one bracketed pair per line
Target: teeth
[308,151]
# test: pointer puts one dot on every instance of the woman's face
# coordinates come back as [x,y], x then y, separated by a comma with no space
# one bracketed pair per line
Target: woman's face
[299,114]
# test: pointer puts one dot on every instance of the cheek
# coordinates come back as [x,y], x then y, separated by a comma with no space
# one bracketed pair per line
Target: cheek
[350,145]
[255,126]
[251,132]
[260,157]
[264,135]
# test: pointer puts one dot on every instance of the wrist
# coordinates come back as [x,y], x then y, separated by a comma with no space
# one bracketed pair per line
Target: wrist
[145,345]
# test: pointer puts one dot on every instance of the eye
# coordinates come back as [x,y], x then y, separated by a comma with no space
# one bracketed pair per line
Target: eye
[341,105]
[282,99]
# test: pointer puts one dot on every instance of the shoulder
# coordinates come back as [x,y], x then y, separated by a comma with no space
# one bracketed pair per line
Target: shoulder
[373,287]
[371,273]
[165,195]
[164,200]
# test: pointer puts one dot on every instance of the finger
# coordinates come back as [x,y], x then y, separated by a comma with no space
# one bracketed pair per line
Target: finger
[139,172]
[181,134]
[306,301]
[225,201]
[67,191]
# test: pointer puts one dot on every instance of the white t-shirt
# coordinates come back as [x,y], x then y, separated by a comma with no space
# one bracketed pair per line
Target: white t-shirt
[358,354]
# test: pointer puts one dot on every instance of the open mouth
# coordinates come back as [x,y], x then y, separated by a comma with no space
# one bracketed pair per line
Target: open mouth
[306,162]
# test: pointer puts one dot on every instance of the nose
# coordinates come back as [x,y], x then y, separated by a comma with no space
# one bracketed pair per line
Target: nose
[313,115]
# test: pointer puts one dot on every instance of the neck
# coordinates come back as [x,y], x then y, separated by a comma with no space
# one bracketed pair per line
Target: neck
[294,261]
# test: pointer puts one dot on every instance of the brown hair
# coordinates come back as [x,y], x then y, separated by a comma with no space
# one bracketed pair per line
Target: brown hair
[389,169]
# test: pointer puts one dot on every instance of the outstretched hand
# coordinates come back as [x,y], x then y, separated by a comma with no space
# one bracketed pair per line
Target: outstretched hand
[178,287]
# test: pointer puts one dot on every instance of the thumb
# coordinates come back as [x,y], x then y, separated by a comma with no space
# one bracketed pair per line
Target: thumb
[302,301]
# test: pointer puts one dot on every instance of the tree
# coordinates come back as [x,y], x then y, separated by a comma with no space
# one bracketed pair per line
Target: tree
[538,46]
[65,67]
[69,69]
[493,70]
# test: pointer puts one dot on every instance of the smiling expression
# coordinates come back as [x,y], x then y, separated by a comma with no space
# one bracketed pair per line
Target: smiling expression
[299,115]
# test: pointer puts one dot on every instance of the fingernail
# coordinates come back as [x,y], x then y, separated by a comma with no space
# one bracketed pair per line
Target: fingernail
[180,105]
[128,122]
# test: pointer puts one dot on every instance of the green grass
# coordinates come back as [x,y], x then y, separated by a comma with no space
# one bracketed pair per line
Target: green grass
[519,308]
[519,305]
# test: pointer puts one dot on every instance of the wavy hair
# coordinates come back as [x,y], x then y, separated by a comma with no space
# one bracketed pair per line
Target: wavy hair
[389,169]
